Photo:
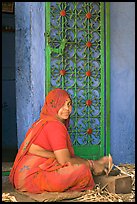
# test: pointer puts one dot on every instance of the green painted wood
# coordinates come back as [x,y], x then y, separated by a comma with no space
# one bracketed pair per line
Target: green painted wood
[5,173]
[107,77]
[102,78]
[48,52]
[88,152]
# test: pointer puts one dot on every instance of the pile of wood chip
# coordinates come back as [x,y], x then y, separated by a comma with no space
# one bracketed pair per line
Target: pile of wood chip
[6,197]
[102,194]
[99,195]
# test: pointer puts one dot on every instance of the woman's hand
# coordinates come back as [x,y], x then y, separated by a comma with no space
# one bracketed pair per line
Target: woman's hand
[104,164]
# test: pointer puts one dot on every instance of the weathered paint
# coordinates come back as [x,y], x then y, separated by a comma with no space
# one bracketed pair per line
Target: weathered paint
[30,63]
[122,15]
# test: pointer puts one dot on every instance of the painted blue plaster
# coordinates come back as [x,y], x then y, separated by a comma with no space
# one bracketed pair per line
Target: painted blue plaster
[30,63]
[122,21]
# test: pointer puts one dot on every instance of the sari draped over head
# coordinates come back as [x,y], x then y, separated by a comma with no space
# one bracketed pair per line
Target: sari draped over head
[53,102]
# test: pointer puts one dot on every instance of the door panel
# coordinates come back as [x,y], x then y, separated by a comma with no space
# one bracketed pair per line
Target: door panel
[75,54]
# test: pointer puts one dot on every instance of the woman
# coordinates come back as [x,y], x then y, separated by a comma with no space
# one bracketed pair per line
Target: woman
[46,159]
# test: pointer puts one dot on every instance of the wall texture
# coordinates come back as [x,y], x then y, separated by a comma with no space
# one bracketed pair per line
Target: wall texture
[122,24]
[30,63]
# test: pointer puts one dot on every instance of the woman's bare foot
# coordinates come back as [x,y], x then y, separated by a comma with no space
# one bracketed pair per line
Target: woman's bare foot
[102,165]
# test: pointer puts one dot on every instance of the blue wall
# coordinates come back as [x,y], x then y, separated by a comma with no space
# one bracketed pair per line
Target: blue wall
[122,21]
[30,63]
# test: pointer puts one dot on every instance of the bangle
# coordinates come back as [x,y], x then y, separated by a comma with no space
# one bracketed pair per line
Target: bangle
[91,163]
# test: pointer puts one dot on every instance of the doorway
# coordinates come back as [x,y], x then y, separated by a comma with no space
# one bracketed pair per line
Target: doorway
[9,136]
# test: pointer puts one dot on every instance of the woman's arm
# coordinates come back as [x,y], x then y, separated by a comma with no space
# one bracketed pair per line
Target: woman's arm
[97,166]
[64,156]
[39,151]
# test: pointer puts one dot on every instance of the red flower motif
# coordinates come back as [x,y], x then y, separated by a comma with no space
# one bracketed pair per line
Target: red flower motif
[89,131]
[88,73]
[88,15]
[88,44]
[63,13]
[88,102]
[62,72]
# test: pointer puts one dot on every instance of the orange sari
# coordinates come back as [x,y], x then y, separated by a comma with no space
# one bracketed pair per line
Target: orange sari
[36,174]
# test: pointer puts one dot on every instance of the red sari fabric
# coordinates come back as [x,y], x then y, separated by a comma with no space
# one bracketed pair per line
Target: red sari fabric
[37,174]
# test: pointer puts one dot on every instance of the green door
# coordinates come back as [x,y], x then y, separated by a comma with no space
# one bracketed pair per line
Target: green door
[77,60]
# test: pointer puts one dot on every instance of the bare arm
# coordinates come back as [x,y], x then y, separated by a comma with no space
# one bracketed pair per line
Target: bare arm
[39,151]
[64,156]
[98,166]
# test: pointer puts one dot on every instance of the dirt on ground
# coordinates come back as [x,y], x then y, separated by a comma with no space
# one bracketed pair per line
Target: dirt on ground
[9,194]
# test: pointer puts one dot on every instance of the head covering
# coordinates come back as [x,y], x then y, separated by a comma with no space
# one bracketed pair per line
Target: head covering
[53,102]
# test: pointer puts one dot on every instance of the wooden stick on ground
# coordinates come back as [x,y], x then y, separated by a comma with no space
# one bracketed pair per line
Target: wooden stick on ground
[123,171]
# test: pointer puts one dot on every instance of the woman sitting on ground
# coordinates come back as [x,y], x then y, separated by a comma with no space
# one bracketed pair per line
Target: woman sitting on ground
[46,161]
